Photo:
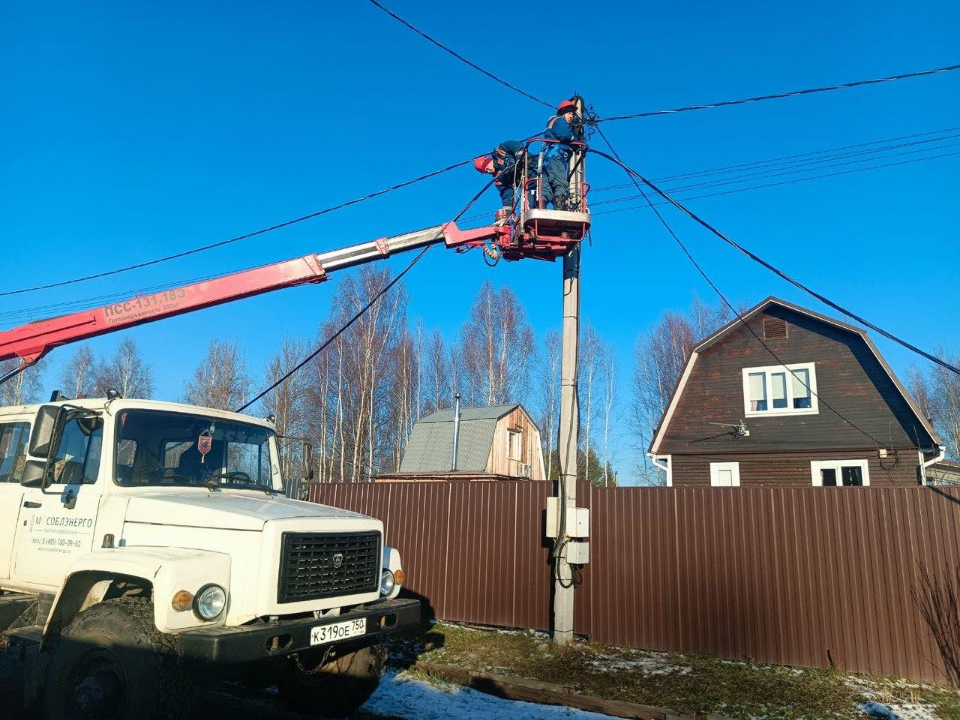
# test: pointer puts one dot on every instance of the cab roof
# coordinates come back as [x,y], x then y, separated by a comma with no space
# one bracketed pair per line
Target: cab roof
[135,403]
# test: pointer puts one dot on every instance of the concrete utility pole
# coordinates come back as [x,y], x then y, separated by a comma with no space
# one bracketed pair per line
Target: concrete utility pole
[569,418]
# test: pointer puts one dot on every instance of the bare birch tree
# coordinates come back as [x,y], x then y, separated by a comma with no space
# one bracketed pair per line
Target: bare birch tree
[287,402]
[658,360]
[220,380]
[609,406]
[549,400]
[938,394]
[24,387]
[496,348]
[126,372]
[76,378]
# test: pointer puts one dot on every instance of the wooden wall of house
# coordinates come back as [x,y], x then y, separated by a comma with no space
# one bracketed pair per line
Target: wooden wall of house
[531,452]
[849,379]
[792,469]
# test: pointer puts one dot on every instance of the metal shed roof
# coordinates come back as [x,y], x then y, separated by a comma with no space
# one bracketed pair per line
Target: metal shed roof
[430,447]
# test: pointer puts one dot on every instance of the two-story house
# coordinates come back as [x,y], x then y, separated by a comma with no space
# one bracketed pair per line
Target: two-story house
[814,403]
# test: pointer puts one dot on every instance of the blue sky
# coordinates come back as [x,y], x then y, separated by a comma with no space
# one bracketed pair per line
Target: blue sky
[133,130]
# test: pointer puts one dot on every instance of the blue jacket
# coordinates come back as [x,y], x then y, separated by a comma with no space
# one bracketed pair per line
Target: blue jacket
[557,129]
[506,154]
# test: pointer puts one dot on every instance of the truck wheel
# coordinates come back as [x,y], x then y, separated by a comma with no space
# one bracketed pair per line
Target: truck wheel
[111,663]
[336,688]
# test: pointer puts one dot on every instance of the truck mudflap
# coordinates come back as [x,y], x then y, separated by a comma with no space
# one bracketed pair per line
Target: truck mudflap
[247,643]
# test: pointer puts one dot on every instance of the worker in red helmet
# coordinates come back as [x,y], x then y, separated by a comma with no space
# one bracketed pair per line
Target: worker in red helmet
[555,188]
[506,165]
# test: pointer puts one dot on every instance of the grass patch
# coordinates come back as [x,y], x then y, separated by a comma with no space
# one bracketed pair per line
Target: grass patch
[684,683]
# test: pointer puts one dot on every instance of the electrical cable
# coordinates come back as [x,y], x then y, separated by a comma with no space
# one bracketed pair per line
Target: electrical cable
[359,313]
[786,160]
[457,55]
[633,175]
[245,236]
[778,96]
[784,182]
[780,273]
[768,173]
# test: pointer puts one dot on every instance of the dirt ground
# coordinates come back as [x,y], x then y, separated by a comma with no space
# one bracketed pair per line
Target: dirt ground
[222,700]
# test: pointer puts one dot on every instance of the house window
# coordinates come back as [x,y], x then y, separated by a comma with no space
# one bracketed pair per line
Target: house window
[513,445]
[840,473]
[780,390]
[725,474]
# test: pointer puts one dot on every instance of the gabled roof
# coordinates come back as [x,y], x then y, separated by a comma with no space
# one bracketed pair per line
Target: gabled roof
[494,412]
[736,323]
[430,447]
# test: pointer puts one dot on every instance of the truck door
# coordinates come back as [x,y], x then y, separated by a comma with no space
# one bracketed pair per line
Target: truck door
[56,524]
[14,433]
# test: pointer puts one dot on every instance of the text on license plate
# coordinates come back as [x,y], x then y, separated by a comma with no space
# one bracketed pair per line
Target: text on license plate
[338,631]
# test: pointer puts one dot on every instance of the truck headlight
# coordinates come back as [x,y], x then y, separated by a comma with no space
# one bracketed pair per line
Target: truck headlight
[387,583]
[209,602]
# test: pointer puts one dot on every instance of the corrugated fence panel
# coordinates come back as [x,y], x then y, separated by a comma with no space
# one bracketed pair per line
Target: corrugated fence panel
[801,576]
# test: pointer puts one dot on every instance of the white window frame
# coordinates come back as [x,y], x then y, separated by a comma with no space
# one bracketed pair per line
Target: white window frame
[817,465]
[768,371]
[519,445]
[716,467]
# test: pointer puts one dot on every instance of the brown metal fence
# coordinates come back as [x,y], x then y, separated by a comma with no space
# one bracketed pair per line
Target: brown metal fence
[800,576]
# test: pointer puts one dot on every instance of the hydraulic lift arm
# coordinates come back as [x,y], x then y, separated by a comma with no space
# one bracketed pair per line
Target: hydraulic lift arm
[32,341]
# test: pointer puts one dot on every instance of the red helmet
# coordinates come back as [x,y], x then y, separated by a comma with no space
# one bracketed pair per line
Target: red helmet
[567,106]
[482,163]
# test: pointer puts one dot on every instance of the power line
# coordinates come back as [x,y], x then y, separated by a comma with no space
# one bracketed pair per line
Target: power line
[343,328]
[720,294]
[458,56]
[745,189]
[817,157]
[767,175]
[786,182]
[778,96]
[780,273]
[245,236]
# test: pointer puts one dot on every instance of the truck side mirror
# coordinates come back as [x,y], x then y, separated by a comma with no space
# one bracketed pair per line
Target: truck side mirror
[43,438]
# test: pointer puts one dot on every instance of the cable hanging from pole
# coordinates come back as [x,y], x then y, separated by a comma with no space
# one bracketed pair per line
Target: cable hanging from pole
[380,293]
[779,96]
[457,55]
[723,297]
[245,236]
[777,271]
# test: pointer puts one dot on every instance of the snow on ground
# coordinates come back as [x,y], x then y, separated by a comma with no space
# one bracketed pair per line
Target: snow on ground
[899,711]
[646,664]
[413,699]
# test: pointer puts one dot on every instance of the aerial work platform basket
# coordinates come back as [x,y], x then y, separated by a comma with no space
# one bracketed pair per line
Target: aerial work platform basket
[540,232]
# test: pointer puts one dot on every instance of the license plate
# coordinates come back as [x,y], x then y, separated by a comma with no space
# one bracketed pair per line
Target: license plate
[338,631]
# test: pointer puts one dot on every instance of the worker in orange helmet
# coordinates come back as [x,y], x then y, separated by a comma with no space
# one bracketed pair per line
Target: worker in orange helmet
[555,187]
[505,164]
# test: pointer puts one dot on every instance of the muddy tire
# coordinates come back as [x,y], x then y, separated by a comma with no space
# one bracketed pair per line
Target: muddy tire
[111,663]
[337,688]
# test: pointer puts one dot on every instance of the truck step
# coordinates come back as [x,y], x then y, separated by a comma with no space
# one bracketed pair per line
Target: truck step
[27,636]
[12,606]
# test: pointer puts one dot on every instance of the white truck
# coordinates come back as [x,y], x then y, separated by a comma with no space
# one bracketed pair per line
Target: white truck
[148,546]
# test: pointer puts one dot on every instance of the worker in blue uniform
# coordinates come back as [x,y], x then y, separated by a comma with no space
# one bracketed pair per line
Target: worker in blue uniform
[555,188]
[506,165]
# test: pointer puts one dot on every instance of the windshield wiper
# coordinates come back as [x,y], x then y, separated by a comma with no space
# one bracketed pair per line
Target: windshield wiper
[248,484]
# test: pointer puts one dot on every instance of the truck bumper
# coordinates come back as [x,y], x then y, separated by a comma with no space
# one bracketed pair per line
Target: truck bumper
[249,643]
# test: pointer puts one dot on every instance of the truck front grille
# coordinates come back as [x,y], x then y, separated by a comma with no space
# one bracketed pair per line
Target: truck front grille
[323,565]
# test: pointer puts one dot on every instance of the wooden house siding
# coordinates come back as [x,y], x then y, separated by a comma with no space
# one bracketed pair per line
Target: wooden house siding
[530,450]
[849,378]
[792,469]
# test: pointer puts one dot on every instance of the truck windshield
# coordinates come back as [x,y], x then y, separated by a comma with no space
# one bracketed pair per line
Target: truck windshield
[168,448]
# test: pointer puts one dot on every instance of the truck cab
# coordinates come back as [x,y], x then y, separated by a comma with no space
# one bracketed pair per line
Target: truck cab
[132,530]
